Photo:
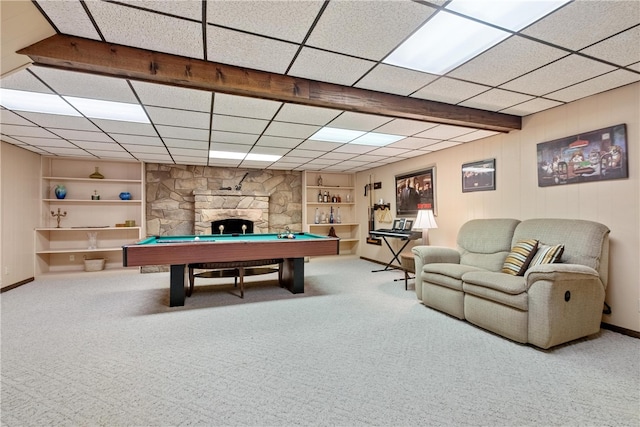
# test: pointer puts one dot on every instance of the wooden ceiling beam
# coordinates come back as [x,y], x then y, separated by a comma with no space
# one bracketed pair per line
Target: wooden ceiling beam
[79,54]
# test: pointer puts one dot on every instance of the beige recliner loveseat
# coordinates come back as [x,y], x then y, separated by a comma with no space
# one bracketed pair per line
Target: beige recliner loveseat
[549,303]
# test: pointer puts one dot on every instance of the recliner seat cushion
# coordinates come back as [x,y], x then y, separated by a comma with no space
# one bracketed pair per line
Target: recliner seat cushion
[448,275]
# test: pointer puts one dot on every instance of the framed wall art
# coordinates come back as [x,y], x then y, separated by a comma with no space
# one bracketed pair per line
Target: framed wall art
[479,176]
[591,156]
[415,191]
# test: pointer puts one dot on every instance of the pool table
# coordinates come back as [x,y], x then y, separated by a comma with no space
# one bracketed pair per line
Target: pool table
[178,251]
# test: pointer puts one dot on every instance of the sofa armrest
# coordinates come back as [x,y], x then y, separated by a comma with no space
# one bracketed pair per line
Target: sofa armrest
[559,272]
[431,254]
[565,303]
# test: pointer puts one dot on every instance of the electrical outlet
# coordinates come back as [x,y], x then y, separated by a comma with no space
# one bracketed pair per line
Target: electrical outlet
[72,257]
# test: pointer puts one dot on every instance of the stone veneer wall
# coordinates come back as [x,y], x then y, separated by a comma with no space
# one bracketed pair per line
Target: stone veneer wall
[170,206]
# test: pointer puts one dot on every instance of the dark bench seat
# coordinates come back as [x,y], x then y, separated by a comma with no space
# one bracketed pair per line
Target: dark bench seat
[236,269]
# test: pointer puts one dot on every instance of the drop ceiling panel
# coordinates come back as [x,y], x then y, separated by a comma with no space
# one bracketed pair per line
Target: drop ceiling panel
[191,9]
[16,131]
[172,97]
[354,149]
[85,85]
[61,122]
[516,55]
[82,135]
[329,67]
[92,145]
[186,143]
[272,19]
[308,154]
[567,71]
[444,132]
[24,80]
[389,151]
[245,50]
[173,117]
[137,139]
[10,118]
[359,121]
[622,49]
[582,23]
[45,142]
[443,145]
[474,136]
[234,137]
[147,30]
[292,130]
[238,124]
[70,18]
[412,143]
[450,91]
[183,133]
[391,79]
[334,155]
[131,128]
[306,114]
[496,100]
[318,146]
[404,127]
[593,86]
[350,27]
[232,148]
[243,106]
[530,107]
[276,141]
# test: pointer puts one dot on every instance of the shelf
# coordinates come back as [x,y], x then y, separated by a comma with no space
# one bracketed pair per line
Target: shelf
[328,187]
[106,180]
[75,201]
[85,228]
[75,250]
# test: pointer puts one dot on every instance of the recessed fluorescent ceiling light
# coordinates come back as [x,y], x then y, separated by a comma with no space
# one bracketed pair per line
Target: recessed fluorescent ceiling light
[377,139]
[109,110]
[336,135]
[243,156]
[513,15]
[448,40]
[35,102]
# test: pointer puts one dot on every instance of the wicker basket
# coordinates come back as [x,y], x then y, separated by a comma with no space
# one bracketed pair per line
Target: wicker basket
[96,264]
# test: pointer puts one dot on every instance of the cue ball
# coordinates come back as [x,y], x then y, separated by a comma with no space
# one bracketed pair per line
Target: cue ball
[197,238]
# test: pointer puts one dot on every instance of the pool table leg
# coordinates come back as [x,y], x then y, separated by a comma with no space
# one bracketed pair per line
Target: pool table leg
[176,286]
[293,275]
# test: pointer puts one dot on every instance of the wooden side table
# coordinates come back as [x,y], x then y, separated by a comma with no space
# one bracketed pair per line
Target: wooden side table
[408,266]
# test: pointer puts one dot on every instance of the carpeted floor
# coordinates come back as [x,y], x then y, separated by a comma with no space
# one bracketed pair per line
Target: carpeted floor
[354,349]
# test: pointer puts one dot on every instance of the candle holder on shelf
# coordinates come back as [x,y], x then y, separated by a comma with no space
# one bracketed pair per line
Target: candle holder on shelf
[58,216]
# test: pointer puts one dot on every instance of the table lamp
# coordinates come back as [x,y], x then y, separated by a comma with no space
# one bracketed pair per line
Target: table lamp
[425,221]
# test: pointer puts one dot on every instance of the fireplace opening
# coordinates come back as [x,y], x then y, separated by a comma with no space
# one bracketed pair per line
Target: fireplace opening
[232,226]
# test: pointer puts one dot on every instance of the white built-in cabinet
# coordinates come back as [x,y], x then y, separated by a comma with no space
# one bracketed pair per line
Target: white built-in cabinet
[340,188]
[64,249]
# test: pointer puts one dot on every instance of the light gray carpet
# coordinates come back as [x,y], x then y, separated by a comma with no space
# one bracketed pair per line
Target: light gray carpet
[354,349]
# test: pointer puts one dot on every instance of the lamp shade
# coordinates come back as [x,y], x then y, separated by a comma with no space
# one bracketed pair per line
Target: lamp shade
[425,220]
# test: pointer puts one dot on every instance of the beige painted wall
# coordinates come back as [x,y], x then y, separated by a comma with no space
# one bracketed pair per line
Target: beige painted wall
[517,195]
[19,202]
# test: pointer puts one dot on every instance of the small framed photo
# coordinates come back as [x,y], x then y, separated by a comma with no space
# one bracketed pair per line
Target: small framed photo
[407,225]
[397,224]
[479,176]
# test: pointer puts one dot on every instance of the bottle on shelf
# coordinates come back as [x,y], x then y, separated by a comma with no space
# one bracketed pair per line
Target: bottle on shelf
[331,219]
[325,198]
[320,196]
[317,217]
[338,218]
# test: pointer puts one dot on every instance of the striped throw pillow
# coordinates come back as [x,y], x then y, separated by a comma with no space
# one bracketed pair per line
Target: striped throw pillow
[547,254]
[518,259]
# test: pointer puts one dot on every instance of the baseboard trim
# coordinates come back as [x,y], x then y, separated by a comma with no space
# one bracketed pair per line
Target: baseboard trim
[17,284]
[623,331]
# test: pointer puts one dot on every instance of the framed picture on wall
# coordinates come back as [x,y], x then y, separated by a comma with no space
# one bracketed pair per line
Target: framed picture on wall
[591,156]
[415,191]
[479,176]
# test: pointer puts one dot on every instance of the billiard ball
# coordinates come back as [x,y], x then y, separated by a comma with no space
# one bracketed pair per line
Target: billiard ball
[197,238]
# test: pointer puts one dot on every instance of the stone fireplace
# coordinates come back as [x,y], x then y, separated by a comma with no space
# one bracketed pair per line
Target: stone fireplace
[215,205]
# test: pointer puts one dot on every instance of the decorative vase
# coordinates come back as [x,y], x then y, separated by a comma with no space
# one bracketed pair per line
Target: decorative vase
[60,191]
[96,174]
[125,195]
